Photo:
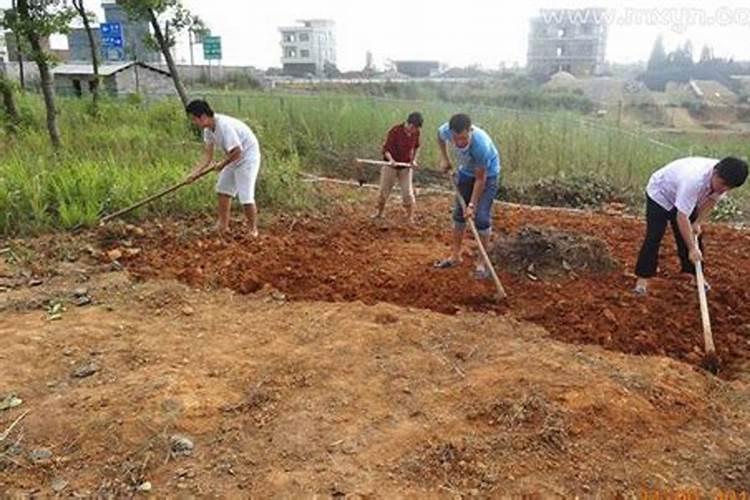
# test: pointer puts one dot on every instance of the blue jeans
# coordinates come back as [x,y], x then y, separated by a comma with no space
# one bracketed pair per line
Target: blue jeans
[483,210]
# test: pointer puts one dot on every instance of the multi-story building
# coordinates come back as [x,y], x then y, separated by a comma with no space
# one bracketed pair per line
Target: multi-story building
[419,69]
[308,48]
[133,33]
[3,45]
[571,40]
[3,48]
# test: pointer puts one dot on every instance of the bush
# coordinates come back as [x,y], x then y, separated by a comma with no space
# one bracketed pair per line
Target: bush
[727,210]
[578,191]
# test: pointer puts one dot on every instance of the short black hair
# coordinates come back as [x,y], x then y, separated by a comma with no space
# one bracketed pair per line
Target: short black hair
[732,171]
[415,119]
[198,108]
[460,123]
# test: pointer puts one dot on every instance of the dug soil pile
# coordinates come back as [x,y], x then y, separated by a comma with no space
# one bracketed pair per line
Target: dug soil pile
[539,252]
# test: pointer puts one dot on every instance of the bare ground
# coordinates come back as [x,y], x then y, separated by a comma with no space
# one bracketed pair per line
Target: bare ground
[323,378]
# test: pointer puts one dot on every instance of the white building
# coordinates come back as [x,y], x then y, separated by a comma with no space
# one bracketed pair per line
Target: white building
[307,48]
[3,45]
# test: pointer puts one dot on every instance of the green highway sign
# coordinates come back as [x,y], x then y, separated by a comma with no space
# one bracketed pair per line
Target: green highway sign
[212,47]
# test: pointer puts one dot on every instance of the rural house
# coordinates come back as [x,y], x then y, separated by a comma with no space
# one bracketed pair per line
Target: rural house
[117,79]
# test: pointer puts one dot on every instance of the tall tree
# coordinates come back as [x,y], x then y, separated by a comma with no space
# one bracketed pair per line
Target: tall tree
[9,101]
[682,57]
[196,33]
[86,17]
[36,20]
[19,53]
[707,55]
[687,53]
[658,58]
[6,90]
[168,18]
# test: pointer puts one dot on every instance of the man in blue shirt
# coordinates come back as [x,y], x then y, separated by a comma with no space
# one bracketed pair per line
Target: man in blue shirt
[477,181]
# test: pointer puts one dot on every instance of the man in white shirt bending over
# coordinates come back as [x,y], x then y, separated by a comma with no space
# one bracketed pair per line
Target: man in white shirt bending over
[238,170]
[683,193]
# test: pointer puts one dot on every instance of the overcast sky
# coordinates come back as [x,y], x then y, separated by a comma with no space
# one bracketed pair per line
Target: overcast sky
[486,32]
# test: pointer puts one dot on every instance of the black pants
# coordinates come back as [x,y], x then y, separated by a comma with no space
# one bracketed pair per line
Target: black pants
[656,224]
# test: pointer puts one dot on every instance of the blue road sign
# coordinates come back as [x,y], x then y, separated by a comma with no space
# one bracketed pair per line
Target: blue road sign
[111,34]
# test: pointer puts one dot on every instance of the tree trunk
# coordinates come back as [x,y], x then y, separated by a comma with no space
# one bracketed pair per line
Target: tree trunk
[48,89]
[45,75]
[19,54]
[9,102]
[164,46]
[81,8]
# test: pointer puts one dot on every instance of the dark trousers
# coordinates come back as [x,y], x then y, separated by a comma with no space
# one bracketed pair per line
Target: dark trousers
[656,224]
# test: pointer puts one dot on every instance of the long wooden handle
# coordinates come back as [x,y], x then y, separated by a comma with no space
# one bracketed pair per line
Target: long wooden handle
[487,262]
[384,163]
[708,336]
[153,197]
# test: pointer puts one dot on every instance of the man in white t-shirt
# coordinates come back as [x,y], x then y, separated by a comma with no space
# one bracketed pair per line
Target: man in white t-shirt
[238,170]
[683,193]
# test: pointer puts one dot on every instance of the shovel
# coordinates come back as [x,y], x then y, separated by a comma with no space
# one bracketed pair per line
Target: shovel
[710,360]
[501,295]
[154,197]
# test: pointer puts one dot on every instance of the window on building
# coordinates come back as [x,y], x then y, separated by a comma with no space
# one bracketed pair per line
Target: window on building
[304,37]
[304,53]
[289,37]
[290,52]
[561,51]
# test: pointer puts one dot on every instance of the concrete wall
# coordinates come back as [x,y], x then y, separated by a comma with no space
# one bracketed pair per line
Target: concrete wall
[31,73]
[215,74]
[144,81]
[190,74]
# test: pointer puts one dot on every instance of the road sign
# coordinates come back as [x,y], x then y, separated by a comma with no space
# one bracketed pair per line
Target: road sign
[212,47]
[111,34]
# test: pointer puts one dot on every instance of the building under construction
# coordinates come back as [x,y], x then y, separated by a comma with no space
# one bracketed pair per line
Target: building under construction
[571,40]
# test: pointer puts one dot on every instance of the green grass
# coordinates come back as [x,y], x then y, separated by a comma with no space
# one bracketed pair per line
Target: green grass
[131,151]
[533,145]
[136,148]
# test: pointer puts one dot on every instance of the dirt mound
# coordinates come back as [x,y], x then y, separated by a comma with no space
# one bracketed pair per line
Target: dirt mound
[576,191]
[343,256]
[539,252]
[246,397]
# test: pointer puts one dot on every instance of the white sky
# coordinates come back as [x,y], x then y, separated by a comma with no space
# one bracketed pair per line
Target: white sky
[487,32]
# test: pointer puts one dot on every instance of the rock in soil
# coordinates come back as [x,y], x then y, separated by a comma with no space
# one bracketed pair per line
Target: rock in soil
[82,301]
[58,485]
[181,445]
[41,456]
[86,370]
